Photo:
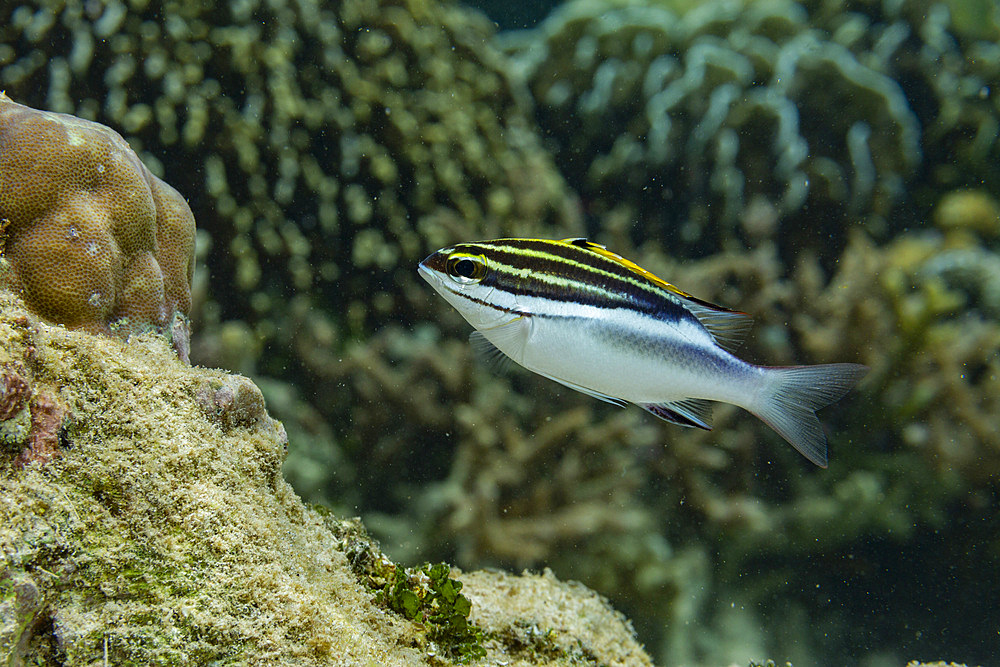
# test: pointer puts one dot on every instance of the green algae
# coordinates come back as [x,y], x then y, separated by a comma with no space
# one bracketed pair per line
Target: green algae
[427,594]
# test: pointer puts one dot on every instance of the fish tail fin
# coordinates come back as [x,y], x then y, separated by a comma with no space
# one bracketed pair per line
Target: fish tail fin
[795,393]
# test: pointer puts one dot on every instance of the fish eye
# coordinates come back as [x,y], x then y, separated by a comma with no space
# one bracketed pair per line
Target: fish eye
[466,269]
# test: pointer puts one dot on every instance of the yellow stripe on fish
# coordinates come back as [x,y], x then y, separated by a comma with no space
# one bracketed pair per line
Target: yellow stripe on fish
[577,313]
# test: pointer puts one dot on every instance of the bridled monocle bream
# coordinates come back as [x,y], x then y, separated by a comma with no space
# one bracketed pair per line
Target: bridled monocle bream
[583,316]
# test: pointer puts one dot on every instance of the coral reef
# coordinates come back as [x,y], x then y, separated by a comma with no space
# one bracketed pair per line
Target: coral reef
[716,118]
[741,121]
[94,241]
[946,58]
[325,149]
[164,533]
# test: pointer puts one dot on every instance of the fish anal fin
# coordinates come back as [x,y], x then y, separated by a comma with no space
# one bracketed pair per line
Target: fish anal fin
[692,412]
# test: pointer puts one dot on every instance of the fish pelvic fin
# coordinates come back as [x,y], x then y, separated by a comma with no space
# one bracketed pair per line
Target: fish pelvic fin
[796,392]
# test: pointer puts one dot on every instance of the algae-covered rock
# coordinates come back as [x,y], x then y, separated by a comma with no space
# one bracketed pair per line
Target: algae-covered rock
[156,528]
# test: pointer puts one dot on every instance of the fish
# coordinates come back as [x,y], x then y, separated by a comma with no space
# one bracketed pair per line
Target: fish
[579,314]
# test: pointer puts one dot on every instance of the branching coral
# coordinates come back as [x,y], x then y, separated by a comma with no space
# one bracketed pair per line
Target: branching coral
[945,55]
[93,239]
[737,121]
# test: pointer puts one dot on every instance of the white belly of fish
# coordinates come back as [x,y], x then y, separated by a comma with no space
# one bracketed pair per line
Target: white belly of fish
[629,356]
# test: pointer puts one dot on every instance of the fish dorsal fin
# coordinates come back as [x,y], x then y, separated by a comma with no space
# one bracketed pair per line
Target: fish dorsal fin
[628,264]
[728,327]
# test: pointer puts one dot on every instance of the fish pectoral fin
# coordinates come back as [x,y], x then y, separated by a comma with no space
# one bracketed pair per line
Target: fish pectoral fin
[589,392]
[489,354]
[489,344]
[693,412]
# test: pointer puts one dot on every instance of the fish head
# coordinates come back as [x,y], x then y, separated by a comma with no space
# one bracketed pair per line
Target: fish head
[462,275]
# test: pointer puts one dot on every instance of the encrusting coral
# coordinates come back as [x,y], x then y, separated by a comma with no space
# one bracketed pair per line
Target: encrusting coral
[93,240]
[163,532]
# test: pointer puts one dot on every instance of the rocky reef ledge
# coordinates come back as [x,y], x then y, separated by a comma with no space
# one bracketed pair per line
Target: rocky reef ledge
[144,520]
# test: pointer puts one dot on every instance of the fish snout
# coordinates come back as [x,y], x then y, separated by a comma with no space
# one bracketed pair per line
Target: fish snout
[434,265]
[425,271]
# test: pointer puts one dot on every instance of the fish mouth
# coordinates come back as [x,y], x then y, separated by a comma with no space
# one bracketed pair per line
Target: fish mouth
[425,271]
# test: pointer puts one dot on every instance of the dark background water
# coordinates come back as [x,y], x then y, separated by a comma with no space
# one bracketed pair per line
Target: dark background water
[513,15]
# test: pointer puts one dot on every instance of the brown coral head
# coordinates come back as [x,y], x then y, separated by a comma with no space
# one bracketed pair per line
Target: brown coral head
[92,237]
[14,393]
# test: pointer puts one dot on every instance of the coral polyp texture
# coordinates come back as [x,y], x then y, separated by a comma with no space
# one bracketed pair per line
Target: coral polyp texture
[92,238]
